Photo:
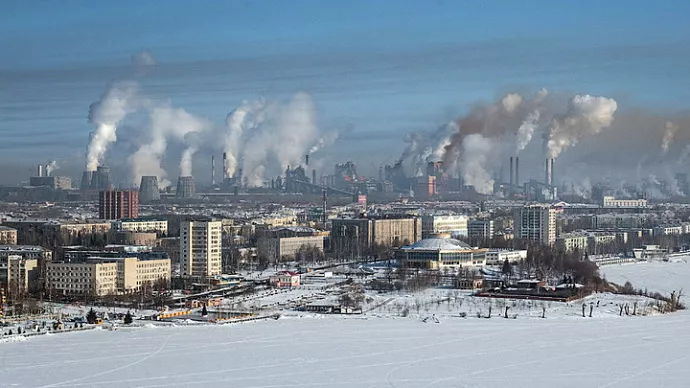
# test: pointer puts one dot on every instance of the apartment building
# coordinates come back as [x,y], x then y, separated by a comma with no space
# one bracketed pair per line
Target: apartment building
[200,248]
[365,232]
[8,235]
[141,225]
[536,223]
[480,229]
[442,224]
[17,274]
[105,275]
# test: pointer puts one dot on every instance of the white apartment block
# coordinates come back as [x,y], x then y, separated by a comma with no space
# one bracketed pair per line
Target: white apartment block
[141,225]
[498,256]
[436,224]
[610,201]
[18,274]
[289,246]
[200,248]
[536,223]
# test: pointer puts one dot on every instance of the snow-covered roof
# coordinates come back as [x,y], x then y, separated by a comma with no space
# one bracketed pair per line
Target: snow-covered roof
[444,244]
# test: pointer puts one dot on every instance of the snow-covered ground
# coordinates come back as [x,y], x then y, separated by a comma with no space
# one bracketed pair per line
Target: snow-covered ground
[383,349]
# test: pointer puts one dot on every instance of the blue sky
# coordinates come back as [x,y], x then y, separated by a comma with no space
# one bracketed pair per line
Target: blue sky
[378,68]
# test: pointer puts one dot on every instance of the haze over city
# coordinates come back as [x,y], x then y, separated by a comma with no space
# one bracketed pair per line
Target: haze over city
[356,194]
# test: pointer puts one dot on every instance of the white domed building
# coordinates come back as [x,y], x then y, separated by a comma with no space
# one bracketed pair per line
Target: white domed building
[438,253]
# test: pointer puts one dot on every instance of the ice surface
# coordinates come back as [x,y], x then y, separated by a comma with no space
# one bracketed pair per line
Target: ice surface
[379,350]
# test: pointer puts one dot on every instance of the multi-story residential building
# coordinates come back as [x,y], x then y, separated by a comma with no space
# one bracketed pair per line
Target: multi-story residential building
[610,201]
[19,275]
[536,223]
[8,236]
[664,230]
[497,257]
[480,229]
[287,247]
[200,248]
[618,220]
[360,233]
[440,224]
[569,242]
[118,204]
[159,226]
[105,275]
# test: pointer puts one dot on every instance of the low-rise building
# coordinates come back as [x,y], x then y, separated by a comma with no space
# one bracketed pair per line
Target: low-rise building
[665,230]
[288,247]
[441,253]
[285,279]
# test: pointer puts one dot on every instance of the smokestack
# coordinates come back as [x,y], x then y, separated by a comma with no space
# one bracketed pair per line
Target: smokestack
[547,173]
[213,169]
[313,176]
[551,172]
[517,171]
[512,180]
[40,170]
[306,160]
[225,166]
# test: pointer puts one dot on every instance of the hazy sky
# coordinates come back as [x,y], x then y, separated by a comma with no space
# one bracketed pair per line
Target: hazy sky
[377,69]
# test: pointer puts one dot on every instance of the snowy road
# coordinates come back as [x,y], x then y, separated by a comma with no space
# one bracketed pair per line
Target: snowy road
[377,352]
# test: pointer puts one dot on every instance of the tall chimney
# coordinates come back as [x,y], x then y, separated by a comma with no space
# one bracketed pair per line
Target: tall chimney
[313,176]
[547,173]
[517,171]
[213,169]
[306,160]
[512,180]
[40,170]
[551,172]
[225,166]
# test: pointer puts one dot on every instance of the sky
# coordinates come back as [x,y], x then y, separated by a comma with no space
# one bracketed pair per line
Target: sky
[376,70]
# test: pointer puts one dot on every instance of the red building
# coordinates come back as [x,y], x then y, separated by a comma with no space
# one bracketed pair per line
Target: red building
[118,204]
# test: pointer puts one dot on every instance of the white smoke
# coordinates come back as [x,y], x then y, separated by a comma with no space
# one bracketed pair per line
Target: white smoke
[50,167]
[473,165]
[526,130]
[246,117]
[166,123]
[106,113]
[670,130]
[586,115]
[268,137]
[142,63]
[326,140]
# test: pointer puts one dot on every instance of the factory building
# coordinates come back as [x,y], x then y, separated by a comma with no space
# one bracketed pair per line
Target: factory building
[118,204]
[536,223]
[200,248]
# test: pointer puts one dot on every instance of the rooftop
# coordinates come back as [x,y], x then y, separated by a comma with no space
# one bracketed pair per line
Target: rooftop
[438,244]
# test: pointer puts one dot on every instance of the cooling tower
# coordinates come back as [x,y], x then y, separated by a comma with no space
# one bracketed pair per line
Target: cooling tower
[148,189]
[186,187]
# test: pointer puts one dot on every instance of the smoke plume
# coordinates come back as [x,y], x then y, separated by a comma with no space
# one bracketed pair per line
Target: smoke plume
[106,114]
[586,115]
[670,130]
[51,166]
[166,123]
